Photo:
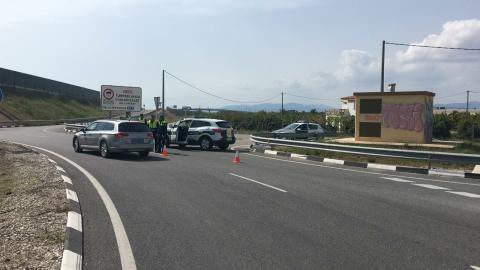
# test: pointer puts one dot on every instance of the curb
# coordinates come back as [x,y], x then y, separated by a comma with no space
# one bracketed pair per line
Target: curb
[260,149]
[73,246]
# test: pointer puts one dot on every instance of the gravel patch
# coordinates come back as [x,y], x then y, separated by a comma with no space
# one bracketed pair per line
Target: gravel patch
[33,210]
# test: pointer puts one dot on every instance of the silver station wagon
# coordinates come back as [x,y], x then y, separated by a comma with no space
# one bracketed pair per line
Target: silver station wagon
[109,136]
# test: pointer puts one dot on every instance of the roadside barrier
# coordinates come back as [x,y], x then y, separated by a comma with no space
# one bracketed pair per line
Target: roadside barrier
[372,151]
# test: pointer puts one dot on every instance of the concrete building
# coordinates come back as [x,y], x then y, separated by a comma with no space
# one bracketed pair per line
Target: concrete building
[348,104]
[405,117]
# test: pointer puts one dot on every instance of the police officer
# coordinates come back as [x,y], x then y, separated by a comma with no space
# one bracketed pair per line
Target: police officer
[142,118]
[153,124]
[162,132]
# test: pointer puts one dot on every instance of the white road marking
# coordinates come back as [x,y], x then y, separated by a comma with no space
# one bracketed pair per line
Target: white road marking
[72,195]
[474,267]
[466,194]
[60,169]
[66,179]
[260,183]
[74,221]
[126,255]
[52,161]
[298,156]
[71,261]
[431,186]
[433,172]
[333,161]
[381,166]
[397,179]
[365,172]
[270,152]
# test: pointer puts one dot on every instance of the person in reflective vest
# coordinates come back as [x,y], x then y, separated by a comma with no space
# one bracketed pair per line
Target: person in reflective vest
[142,119]
[153,124]
[162,133]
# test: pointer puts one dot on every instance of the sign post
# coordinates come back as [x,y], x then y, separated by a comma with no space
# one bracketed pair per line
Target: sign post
[2,96]
[121,98]
[157,105]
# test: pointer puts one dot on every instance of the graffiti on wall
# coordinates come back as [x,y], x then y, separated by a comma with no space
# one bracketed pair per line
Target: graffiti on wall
[403,116]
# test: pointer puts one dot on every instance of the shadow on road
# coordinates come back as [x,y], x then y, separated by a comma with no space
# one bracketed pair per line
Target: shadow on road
[128,156]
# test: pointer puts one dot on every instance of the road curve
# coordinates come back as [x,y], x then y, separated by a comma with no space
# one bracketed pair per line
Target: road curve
[198,210]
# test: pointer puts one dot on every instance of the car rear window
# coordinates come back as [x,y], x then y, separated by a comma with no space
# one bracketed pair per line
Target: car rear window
[133,127]
[223,124]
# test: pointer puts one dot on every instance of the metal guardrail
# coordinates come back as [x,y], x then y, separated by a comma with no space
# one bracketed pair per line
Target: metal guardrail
[300,136]
[17,123]
[75,127]
[372,151]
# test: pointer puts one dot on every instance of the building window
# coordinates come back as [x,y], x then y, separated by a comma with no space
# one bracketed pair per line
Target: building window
[368,129]
[371,106]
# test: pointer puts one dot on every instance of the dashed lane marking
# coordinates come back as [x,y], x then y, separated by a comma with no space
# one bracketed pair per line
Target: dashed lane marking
[431,186]
[466,194]
[365,172]
[397,179]
[60,169]
[258,182]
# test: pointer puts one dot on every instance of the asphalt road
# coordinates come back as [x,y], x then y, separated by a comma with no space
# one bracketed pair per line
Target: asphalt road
[198,210]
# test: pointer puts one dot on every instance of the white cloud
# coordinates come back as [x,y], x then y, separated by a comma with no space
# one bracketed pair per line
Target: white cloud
[413,68]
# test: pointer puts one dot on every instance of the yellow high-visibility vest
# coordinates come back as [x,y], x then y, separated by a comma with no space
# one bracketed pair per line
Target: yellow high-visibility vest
[152,124]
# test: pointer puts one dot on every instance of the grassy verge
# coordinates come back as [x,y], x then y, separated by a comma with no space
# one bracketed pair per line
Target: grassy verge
[379,160]
[26,105]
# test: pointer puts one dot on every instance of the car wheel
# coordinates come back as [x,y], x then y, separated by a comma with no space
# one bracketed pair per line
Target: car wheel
[104,150]
[182,145]
[223,146]
[76,145]
[144,154]
[205,143]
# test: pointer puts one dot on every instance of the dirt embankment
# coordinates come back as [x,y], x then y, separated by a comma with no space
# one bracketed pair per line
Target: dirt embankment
[33,210]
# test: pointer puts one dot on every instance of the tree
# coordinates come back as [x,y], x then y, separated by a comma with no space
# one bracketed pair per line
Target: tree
[442,126]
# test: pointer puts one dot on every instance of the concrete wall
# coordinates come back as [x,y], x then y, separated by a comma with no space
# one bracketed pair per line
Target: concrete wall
[25,82]
[404,117]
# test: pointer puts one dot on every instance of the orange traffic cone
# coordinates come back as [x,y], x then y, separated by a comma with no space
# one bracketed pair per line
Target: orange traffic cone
[236,159]
[164,152]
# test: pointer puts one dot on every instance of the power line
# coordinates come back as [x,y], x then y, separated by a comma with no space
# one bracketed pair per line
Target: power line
[216,96]
[309,97]
[453,95]
[432,47]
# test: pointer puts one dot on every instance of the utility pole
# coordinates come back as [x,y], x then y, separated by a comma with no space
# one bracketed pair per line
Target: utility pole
[468,115]
[281,112]
[163,93]
[468,97]
[383,67]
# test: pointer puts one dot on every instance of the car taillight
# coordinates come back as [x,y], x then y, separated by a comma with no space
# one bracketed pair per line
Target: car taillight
[217,130]
[150,135]
[120,135]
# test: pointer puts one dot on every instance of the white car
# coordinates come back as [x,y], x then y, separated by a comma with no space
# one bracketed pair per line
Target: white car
[204,132]
[300,130]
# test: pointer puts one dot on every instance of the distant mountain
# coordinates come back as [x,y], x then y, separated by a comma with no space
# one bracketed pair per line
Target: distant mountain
[472,104]
[273,107]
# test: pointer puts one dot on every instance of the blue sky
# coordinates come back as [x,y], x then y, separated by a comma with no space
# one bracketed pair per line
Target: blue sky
[244,50]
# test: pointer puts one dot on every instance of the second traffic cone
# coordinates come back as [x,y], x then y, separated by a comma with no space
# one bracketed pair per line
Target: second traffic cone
[236,159]
[164,152]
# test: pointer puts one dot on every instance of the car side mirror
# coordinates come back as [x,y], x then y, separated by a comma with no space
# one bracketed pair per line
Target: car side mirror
[83,130]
